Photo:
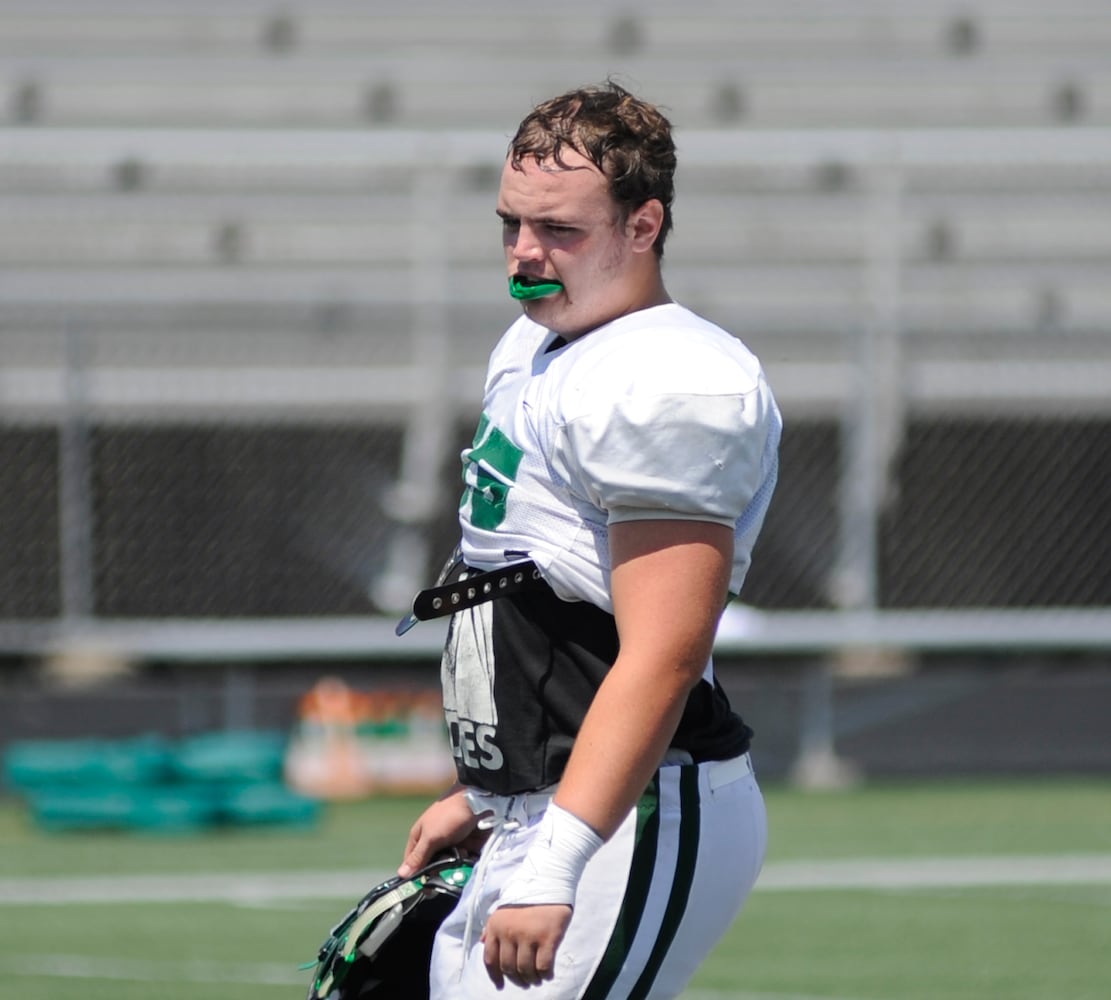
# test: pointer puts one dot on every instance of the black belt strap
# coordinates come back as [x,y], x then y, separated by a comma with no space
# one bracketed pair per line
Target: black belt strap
[472,589]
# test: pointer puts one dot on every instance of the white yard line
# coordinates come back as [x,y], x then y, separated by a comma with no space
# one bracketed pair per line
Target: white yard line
[938,873]
[138,970]
[232,887]
[785,876]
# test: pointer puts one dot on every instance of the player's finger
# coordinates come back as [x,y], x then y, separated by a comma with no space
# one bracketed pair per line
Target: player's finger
[515,964]
[545,961]
[492,956]
[523,971]
[416,852]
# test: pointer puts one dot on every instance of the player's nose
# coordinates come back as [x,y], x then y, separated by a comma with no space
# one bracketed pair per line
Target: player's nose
[526,244]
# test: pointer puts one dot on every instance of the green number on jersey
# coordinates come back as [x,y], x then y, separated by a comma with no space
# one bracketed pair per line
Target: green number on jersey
[489,470]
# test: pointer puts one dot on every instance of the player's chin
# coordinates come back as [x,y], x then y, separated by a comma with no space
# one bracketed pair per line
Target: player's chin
[546,310]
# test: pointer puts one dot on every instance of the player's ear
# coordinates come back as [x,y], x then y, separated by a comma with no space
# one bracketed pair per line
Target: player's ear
[644,223]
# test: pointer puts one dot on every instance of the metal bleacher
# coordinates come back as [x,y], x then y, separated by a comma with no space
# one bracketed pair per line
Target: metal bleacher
[249,159]
[304,190]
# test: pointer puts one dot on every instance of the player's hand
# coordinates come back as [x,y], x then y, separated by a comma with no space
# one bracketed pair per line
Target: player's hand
[448,822]
[521,943]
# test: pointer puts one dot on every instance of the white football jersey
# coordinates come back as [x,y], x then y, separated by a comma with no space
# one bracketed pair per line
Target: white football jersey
[658,414]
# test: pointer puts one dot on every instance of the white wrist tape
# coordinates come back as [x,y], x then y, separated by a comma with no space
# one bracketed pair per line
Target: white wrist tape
[554,863]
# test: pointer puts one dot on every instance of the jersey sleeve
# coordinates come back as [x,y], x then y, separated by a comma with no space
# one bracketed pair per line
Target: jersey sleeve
[667,455]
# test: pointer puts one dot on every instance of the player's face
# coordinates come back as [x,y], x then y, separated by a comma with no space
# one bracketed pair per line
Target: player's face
[561,224]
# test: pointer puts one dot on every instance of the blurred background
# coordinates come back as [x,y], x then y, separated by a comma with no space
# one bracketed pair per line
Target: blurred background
[250,273]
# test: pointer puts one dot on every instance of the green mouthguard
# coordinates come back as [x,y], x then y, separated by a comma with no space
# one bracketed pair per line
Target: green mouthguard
[524,289]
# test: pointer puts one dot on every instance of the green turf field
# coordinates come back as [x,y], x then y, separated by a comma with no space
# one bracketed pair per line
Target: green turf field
[1008,941]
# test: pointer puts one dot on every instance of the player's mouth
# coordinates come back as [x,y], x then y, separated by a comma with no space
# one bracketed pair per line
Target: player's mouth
[521,286]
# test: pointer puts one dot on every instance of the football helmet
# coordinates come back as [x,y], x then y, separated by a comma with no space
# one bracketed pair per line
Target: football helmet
[382,948]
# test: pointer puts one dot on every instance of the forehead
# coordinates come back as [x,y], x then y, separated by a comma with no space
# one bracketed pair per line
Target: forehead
[547,188]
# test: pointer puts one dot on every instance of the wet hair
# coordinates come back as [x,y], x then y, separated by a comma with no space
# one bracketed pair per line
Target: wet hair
[627,139]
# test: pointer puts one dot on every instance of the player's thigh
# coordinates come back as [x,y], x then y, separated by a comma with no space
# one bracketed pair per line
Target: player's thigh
[698,867]
[731,847]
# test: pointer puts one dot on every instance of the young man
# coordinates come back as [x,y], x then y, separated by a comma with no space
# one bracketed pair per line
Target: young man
[622,468]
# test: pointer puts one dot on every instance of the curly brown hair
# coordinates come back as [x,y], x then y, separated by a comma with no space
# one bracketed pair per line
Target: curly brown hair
[627,139]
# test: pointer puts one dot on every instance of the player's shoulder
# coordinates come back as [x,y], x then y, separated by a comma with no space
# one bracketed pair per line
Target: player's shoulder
[667,349]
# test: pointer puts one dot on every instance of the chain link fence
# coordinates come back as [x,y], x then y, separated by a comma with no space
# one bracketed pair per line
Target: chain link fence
[258,521]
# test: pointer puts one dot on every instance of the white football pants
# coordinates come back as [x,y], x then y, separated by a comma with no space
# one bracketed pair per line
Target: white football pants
[652,902]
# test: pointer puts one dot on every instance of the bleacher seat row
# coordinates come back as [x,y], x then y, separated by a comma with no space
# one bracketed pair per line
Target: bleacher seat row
[234,181]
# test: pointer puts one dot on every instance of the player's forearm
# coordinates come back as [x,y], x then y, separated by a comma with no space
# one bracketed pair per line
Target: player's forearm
[621,743]
[622,740]
[669,582]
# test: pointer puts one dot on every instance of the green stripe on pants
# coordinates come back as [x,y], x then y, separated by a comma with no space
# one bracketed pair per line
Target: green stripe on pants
[689,825]
[636,895]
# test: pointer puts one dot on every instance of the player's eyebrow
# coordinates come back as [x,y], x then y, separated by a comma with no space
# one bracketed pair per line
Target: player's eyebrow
[543,220]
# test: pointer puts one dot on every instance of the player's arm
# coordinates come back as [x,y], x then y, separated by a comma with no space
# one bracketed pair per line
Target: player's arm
[669,585]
